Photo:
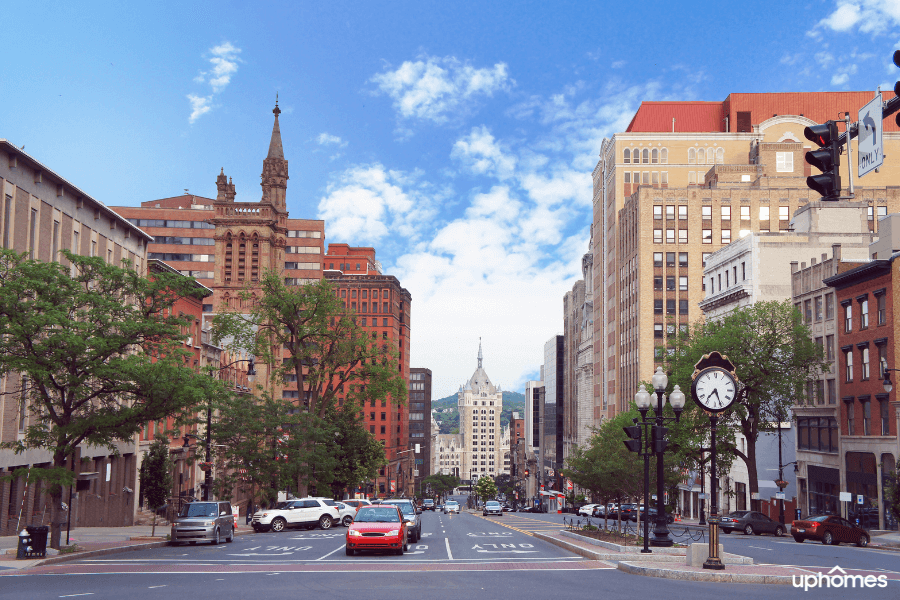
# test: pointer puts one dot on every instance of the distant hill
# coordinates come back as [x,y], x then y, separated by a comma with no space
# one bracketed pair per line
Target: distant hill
[447,414]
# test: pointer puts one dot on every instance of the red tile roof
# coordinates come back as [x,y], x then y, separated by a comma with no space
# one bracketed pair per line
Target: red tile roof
[689,117]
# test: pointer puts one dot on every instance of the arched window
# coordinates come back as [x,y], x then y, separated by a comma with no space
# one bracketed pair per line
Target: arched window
[654,156]
[627,156]
[645,178]
[720,156]
[646,156]
[710,156]
[692,156]
[664,156]
[701,156]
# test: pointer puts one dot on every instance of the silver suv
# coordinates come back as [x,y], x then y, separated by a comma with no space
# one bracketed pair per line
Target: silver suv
[203,521]
[305,512]
[411,516]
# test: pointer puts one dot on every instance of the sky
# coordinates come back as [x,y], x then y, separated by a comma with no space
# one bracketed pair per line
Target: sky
[457,139]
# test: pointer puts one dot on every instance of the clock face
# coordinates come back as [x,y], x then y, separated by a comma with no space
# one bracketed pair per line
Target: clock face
[714,389]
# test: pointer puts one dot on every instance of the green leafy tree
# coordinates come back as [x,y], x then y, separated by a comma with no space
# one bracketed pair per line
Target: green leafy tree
[307,334]
[486,489]
[441,484]
[505,485]
[774,356]
[156,477]
[358,455]
[100,353]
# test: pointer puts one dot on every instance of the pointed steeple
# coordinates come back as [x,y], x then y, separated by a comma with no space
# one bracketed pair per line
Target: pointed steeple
[479,353]
[275,148]
[275,168]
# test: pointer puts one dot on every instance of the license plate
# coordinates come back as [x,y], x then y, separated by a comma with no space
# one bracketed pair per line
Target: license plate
[801,531]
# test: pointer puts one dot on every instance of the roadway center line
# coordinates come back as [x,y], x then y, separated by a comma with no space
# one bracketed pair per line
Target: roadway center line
[73,595]
[760,548]
[449,554]
[332,552]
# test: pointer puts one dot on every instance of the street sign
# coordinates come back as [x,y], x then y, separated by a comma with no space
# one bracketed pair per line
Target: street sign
[859,498]
[846,497]
[569,485]
[871,144]
[779,495]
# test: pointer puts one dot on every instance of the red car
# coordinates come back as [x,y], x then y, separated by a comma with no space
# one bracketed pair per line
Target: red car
[379,527]
[829,529]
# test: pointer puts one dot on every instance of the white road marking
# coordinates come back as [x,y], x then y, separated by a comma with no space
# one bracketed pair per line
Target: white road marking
[333,551]
[153,587]
[449,554]
[73,595]
[761,548]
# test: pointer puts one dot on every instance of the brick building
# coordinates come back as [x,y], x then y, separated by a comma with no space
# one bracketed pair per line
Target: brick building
[683,180]
[384,309]
[42,213]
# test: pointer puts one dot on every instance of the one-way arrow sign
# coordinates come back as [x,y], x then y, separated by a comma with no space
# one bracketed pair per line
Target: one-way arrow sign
[871,145]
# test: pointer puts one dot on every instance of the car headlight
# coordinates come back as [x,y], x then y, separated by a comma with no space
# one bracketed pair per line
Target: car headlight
[411,523]
[394,532]
[354,533]
[208,523]
[265,514]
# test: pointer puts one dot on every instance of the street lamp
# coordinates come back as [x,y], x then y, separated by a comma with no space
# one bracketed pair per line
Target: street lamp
[207,477]
[661,537]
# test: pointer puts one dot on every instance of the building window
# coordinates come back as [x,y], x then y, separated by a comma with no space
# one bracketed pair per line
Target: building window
[867,418]
[645,156]
[848,360]
[670,260]
[829,347]
[807,311]
[784,162]
[692,156]
[682,283]
[745,213]
[682,236]
[783,214]
[670,307]
[706,212]
[850,417]
[743,271]
[657,236]
[864,314]
[657,282]
[885,417]
[626,158]
[726,236]
[882,310]
[657,259]
[7,211]
[657,330]
[683,307]
[818,308]
[820,392]
[864,364]
[707,236]
[703,257]
[657,212]
[682,259]
[670,236]
[763,213]
[829,306]
[657,307]
[670,283]
[54,249]
[831,384]
[682,213]
[32,241]
[848,318]
[726,213]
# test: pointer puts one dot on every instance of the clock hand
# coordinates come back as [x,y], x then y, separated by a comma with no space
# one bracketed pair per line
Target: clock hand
[716,392]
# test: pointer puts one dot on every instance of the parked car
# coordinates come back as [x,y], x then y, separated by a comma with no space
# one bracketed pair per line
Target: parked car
[357,503]
[202,522]
[829,529]
[608,511]
[346,512]
[411,515]
[305,512]
[451,506]
[492,507]
[587,510]
[626,512]
[380,527]
[507,508]
[750,522]
[428,504]
[652,512]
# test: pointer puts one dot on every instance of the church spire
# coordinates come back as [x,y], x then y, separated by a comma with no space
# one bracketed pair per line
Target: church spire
[479,353]
[275,167]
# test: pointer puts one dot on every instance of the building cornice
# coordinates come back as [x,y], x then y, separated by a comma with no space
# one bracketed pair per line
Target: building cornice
[864,272]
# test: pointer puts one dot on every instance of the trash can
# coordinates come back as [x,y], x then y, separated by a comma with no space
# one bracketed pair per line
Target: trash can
[38,537]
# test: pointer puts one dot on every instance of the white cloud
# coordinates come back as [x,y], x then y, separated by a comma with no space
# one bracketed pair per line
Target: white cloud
[327,139]
[224,62]
[438,89]
[840,79]
[618,64]
[866,16]
[481,154]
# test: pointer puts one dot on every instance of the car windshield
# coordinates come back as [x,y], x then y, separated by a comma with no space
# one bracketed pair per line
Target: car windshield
[405,507]
[492,503]
[377,514]
[199,509]
[738,513]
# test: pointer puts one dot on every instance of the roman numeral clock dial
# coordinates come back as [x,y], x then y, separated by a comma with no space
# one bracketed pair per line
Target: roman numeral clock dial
[714,389]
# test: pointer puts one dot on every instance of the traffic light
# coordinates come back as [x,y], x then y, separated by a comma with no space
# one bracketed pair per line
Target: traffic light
[827,159]
[633,443]
[659,438]
[527,472]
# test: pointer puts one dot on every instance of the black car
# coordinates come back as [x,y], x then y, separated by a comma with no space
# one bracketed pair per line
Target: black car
[652,512]
[428,504]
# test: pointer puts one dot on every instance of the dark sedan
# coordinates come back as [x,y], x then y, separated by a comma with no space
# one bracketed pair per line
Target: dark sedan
[652,517]
[829,529]
[750,522]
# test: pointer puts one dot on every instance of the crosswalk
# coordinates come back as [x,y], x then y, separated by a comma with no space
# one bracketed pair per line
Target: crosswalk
[523,524]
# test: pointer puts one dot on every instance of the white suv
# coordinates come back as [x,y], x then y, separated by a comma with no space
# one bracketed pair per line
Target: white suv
[305,512]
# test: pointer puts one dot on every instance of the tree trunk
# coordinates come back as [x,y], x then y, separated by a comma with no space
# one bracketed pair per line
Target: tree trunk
[55,516]
[752,473]
[153,531]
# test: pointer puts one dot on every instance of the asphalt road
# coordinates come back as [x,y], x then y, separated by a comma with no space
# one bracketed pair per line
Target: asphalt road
[459,557]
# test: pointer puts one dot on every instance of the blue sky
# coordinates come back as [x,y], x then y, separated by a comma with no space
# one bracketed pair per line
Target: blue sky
[456,138]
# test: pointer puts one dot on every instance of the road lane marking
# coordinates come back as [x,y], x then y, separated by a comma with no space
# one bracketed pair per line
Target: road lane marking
[449,554]
[73,595]
[761,548]
[153,587]
[333,551]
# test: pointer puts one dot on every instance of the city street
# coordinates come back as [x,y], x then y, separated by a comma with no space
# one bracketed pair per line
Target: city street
[459,555]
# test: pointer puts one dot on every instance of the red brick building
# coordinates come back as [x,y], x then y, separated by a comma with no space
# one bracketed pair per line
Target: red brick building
[383,307]
[868,427]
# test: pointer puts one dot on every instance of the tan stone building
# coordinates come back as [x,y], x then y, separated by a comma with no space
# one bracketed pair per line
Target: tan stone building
[683,180]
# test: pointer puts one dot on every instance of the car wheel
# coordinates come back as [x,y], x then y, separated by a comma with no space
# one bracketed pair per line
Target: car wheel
[347,520]
[799,539]
[325,522]
[827,539]
[726,531]
[216,540]
[748,530]
[230,537]
[349,551]
[278,524]
[863,541]
[779,531]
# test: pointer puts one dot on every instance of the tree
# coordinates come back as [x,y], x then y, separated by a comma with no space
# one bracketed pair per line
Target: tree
[486,489]
[156,477]
[327,352]
[358,455]
[441,484]
[774,356]
[505,485]
[100,354]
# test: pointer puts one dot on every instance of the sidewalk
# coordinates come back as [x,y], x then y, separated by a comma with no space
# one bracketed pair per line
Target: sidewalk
[94,541]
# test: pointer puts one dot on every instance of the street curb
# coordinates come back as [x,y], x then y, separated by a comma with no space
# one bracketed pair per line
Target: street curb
[605,556]
[105,551]
[713,576]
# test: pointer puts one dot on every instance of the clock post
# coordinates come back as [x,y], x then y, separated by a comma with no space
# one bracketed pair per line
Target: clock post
[714,388]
